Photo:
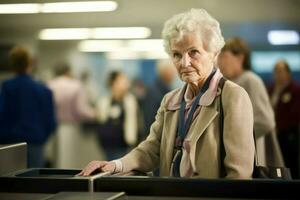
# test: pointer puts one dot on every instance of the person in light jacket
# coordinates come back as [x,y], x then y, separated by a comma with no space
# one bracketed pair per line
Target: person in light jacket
[72,108]
[193,41]
[234,63]
[118,117]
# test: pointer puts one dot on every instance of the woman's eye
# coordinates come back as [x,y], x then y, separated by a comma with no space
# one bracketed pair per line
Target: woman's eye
[193,52]
[176,55]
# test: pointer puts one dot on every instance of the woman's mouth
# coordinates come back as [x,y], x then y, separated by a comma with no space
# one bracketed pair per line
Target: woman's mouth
[187,72]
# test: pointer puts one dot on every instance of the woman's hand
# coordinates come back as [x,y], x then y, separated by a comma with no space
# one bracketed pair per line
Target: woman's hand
[104,166]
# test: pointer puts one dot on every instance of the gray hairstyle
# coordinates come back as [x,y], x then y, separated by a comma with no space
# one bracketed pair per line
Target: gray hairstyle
[196,21]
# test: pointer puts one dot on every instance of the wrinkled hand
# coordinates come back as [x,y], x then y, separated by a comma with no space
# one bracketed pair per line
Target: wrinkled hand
[98,165]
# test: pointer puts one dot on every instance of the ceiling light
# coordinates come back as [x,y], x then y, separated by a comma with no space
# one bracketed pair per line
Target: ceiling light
[19,8]
[64,34]
[100,45]
[283,37]
[120,45]
[146,45]
[121,33]
[130,55]
[94,33]
[87,6]
[58,7]
[126,49]
[125,55]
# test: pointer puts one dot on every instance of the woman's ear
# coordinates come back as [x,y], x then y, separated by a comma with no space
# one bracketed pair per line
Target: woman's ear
[215,58]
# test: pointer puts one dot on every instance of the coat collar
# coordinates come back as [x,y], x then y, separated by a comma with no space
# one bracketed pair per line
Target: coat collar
[207,98]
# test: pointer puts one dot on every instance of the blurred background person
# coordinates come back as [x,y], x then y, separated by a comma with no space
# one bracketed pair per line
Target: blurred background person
[90,87]
[89,128]
[139,90]
[285,98]
[234,63]
[72,108]
[166,73]
[118,117]
[26,108]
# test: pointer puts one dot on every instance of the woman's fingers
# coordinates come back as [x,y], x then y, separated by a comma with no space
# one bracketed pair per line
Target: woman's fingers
[80,173]
[91,167]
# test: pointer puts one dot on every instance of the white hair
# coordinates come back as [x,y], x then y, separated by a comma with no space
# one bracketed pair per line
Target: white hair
[196,21]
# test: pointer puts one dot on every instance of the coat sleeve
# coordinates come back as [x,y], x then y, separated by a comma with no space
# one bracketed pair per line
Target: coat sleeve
[83,109]
[3,112]
[145,157]
[238,132]
[50,121]
[264,120]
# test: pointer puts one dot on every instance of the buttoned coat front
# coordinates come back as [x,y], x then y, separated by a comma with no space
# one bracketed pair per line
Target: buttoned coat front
[158,148]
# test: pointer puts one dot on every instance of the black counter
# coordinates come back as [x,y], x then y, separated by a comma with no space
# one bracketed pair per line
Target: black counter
[212,188]
[144,187]
[43,180]
[65,196]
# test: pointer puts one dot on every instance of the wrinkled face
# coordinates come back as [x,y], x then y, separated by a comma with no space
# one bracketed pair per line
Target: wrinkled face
[192,61]
[229,64]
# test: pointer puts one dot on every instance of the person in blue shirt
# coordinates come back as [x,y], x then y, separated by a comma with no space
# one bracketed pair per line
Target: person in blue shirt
[26,108]
[162,85]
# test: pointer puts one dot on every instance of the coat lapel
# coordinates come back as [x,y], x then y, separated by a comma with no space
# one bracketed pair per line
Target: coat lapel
[169,137]
[205,117]
[200,124]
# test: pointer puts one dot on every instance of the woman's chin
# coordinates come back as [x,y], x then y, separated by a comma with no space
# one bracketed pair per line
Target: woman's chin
[189,80]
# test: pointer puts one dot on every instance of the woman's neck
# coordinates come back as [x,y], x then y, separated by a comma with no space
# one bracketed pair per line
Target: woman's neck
[196,87]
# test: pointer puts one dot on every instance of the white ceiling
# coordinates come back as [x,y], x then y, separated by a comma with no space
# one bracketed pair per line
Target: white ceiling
[151,13]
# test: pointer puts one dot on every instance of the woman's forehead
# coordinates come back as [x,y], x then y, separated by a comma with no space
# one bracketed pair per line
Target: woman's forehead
[186,41]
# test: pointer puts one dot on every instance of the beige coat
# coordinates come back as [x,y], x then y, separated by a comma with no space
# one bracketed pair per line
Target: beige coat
[157,149]
[267,146]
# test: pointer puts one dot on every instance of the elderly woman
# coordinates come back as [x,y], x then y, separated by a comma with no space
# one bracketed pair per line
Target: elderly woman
[186,138]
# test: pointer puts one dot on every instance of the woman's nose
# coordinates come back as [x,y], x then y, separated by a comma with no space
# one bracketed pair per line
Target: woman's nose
[186,60]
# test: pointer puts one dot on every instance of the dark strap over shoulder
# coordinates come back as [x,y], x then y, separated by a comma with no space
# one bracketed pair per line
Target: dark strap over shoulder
[221,127]
[222,82]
